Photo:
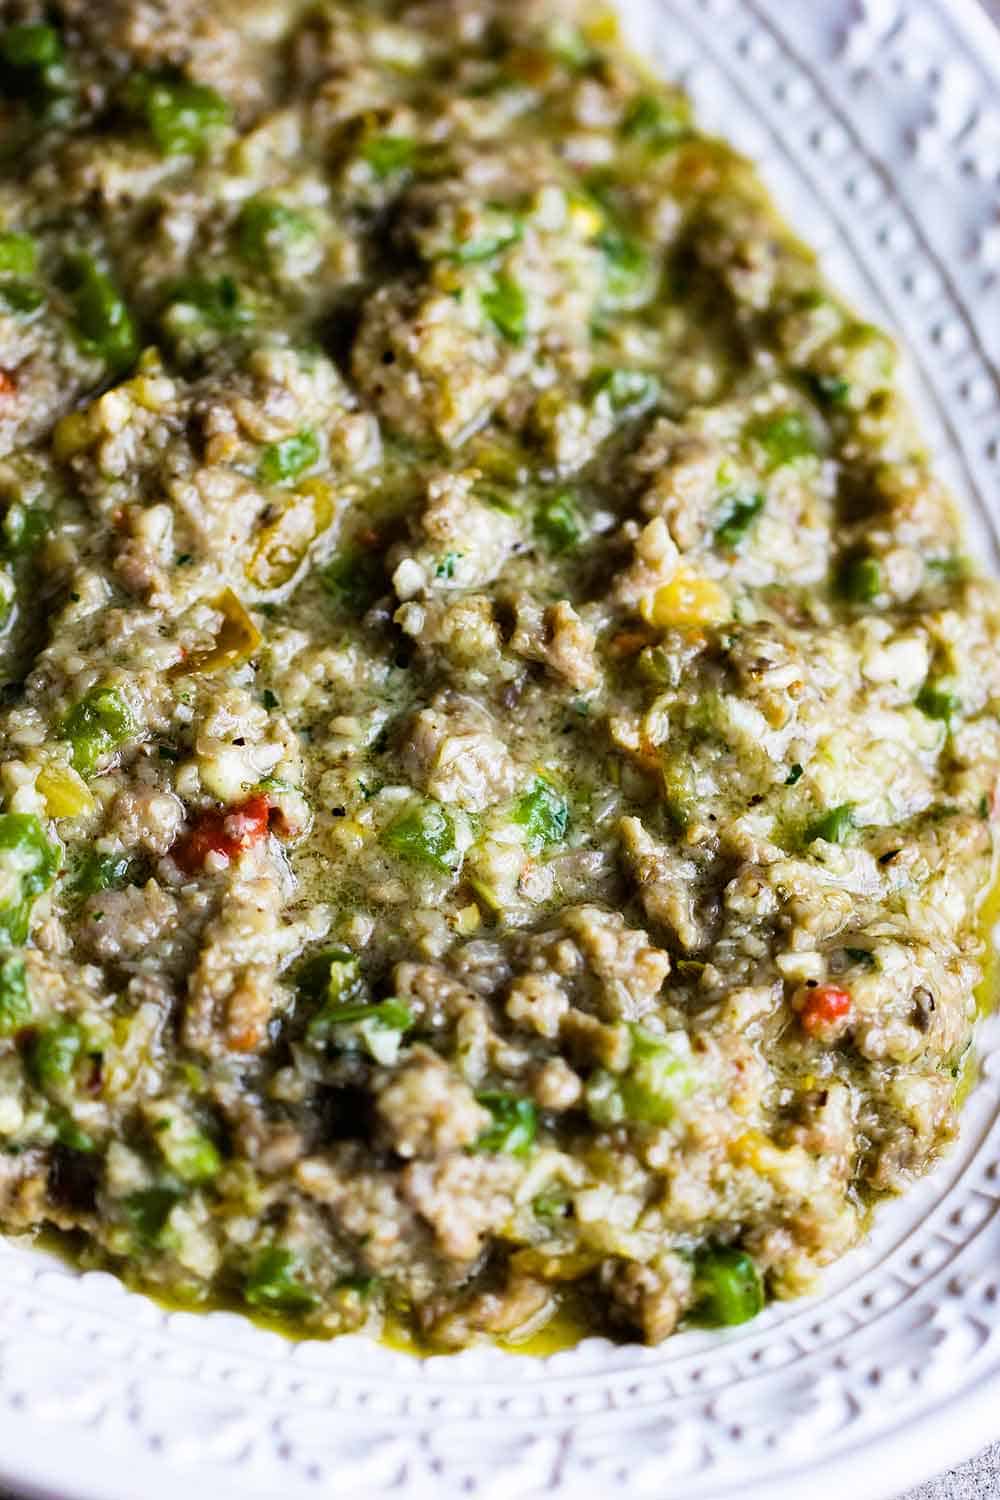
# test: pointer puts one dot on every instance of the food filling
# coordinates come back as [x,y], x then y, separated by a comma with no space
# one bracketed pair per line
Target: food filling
[499,735]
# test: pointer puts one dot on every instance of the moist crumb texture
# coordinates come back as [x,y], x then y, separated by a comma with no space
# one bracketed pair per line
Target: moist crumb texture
[499,734]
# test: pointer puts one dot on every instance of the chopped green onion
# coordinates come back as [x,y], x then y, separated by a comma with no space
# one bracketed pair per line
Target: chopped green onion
[558,522]
[625,392]
[187,1151]
[388,154]
[217,302]
[829,390]
[506,306]
[286,460]
[835,826]
[514,1127]
[784,438]
[736,516]
[656,122]
[628,270]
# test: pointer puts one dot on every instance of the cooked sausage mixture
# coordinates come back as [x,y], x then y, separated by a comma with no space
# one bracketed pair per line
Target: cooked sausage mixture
[499,735]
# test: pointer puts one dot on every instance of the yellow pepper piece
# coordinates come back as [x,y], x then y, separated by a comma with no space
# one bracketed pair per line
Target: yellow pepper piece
[72,434]
[236,642]
[686,602]
[283,544]
[549,1267]
[65,792]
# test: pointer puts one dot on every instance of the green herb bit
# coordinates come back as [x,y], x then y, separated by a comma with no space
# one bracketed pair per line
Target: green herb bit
[784,439]
[625,392]
[424,833]
[506,306]
[514,1127]
[99,872]
[559,523]
[727,1285]
[795,774]
[181,116]
[937,700]
[445,566]
[861,956]
[834,827]
[15,1001]
[18,254]
[737,514]
[859,580]
[277,1283]
[543,813]
[69,1133]
[266,228]
[389,154]
[656,122]
[551,1204]
[29,862]
[284,461]
[951,568]
[354,580]
[54,1052]
[103,323]
[32,66]
[96,727]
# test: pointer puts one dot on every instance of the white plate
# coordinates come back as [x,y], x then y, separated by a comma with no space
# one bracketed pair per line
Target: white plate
[877,123]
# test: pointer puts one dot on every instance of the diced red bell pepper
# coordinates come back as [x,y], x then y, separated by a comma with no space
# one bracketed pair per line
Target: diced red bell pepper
[824,1011]
[228,831]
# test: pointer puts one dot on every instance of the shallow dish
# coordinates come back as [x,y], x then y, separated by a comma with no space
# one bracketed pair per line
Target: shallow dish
[874,124]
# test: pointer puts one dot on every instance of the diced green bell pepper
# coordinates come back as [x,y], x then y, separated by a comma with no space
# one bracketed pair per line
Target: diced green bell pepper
[181,116]
[187,1151]
[659,1076]
[96,727]
[727,1285]
[558,522]
[424,833]
[859,579]
[29,861]
[54,1052]
[18,254]
[938,701]
[265,228]
[103,323]
[276,1283]
[15,1001]
[543,812]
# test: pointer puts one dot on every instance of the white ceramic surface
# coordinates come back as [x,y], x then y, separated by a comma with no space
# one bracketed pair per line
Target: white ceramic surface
[877,123]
